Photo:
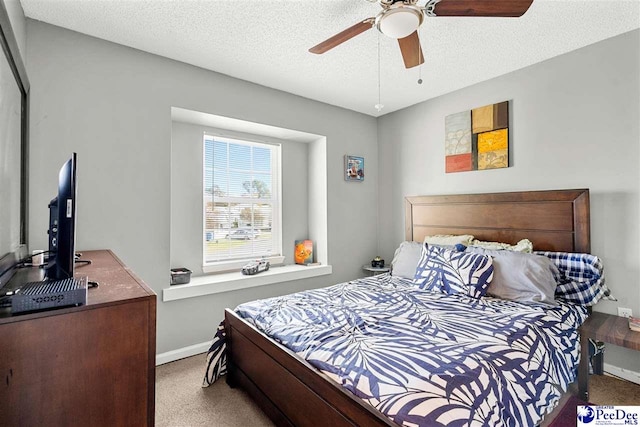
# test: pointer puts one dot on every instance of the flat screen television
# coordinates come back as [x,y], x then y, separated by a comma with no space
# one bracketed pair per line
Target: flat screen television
[62,224]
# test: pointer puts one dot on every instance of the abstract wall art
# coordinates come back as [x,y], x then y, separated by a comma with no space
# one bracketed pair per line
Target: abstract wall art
[477,139]
[458,142]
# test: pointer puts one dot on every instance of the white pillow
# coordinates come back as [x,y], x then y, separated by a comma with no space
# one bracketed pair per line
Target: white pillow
[523,245]
[405,260]
[448,239]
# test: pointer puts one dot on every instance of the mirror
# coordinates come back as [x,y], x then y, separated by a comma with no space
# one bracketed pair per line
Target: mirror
[14,89]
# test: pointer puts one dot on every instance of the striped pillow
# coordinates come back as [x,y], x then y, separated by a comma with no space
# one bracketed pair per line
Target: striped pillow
[453,272]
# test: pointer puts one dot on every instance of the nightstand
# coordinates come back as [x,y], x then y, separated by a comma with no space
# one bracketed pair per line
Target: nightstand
[376,270]
[607,328]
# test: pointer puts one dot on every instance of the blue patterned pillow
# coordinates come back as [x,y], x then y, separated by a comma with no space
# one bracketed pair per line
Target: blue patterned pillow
[453,272]
[581,278]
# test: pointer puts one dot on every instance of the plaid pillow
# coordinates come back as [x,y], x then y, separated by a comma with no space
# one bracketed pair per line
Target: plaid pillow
[581,279]
[454,271]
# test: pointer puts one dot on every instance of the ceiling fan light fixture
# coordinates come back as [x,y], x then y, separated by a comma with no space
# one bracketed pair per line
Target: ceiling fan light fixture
[399,22]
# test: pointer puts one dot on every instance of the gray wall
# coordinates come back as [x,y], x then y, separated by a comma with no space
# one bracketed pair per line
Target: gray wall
[574,124]
[112,105]
[186,193]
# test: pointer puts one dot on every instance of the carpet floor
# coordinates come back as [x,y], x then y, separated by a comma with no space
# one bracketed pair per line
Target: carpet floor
[180,401]
[607,390]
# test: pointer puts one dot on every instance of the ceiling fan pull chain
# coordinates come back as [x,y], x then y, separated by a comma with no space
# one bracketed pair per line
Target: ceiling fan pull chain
[420,56]
[379,105]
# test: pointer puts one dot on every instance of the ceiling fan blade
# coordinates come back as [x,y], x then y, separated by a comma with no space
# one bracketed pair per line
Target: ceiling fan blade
[411,50]
[497,8]
[343,36]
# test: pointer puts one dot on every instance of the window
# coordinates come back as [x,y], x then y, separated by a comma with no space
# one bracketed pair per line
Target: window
[241,191]
[298,201]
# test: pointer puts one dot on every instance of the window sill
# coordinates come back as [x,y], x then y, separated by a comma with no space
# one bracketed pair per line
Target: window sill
[225,266]
[218,283]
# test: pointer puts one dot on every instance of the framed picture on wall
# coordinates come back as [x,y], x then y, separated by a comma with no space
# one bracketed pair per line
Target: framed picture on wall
[354,168]
[477,139]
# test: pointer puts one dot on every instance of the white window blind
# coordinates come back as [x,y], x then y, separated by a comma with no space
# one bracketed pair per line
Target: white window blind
[241,200]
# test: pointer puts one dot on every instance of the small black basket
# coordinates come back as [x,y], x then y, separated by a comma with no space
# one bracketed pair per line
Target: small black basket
[180,276]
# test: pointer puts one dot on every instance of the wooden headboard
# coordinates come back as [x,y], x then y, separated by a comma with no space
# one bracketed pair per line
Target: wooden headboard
[556,220]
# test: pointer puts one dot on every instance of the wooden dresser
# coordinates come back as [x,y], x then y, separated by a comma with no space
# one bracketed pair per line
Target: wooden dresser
[92,365]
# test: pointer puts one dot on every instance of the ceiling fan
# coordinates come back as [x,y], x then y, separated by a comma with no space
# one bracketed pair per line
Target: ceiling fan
[400,19]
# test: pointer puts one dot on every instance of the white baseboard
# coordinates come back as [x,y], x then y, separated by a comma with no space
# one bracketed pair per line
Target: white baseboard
[625,374]
[181,353]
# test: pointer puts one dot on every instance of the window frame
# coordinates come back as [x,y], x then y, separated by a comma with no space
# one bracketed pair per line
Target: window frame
[277,256]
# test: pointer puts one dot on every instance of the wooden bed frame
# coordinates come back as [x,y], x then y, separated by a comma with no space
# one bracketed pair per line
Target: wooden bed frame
[294,393]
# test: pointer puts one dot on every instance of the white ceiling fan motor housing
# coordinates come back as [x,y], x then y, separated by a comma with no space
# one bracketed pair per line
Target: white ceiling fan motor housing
[399,20]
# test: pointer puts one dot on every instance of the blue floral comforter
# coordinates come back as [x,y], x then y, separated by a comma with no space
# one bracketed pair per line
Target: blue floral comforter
[426,358]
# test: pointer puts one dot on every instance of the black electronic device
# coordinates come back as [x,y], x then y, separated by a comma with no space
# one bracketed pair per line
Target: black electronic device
[44,295]
[62,224]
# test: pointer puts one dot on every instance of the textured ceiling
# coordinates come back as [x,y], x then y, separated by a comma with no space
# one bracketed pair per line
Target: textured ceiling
[267,42]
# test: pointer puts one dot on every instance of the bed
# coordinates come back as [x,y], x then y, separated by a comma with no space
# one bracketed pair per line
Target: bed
[292,391]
